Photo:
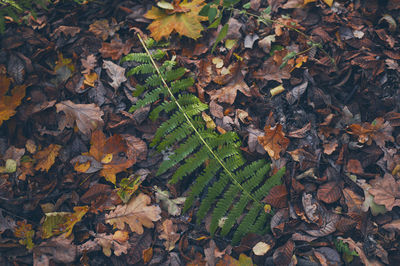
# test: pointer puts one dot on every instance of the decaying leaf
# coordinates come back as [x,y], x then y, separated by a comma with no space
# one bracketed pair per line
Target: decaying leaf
[183,18]
[115,49]
[10,99]
[86,116]
[25,233]
[234,82]
[277,197]
[329,192]
[115,72]
[261,248]
[109,241]
[46,157]
[59,249]
[57,223]
[283,254]
[89,63]
[136,214]
[102,29]
[169,235]
[170,204]
[386,191]
[274,141]
[379,131]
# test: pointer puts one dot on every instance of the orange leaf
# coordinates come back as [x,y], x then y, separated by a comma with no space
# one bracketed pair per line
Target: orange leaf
[184,20]
[274,141]
[46,157]
[8,103]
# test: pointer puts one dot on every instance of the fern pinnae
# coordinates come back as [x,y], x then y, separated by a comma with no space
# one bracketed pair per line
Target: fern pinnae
[229,187]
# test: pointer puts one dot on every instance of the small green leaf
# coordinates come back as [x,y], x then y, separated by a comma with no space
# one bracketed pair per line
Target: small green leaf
[212,13]
[215,23]
[204,11]
[247,5]
[220,36]
[165,5]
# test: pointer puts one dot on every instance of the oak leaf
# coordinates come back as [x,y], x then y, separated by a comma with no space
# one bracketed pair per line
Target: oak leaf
[115,72]
[136,214]
[183,19]
[379,131]
[386,191]
[111,241]
[9,99]
[234,82]
[46,157]
[86,116]
[169,235]
[274,141]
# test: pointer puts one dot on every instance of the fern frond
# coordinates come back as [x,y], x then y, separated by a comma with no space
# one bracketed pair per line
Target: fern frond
[227,185]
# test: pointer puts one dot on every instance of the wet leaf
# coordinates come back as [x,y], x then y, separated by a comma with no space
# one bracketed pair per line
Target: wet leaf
[274,141]
[169,235]
[136,214]
[46,157]
[115,72]
[184,19]
[10,99]
[57,223]
[86,116]
[386,191]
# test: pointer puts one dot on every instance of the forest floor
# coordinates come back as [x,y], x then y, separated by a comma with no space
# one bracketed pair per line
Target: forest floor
[315,90]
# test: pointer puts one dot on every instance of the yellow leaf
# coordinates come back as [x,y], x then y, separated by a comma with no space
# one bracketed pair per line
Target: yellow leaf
[184,20]
[277,90]
[308,1]
[90,79]
[209,122]
[328,2]
[136,214]
[46,157]
[57,223]
[82,167]
[8,103]
[25,233]
[107,158]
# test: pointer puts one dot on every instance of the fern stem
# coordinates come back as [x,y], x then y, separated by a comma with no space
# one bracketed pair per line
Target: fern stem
[216,157]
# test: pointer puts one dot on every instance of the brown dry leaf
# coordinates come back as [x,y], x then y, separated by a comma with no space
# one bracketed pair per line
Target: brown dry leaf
[272,71]
[89,63]
[136,214]
[10,99]
[59,250]
[169,235]
[147,255]
[354,166]
[86,116]
[112,155]
[46,157]
[379,131]
[116,48]
[277,197]
[283,255]
[330,147]
[386,191]
[329,192]
[394,225]
[102,29]
[108,242]
[67,30]
[274,141]
[183,19]
[115,72]
[234,82]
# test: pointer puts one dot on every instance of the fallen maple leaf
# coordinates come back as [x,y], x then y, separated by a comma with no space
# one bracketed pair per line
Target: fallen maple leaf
[115,72]
[183,19]
[8,103]
[233,81]
[46,157]
[86,116]
[88,64]
[386,191]
[169,235]
[102,29]
[136,214]
[274,141]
